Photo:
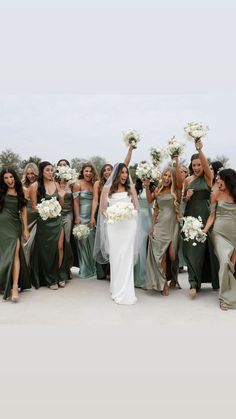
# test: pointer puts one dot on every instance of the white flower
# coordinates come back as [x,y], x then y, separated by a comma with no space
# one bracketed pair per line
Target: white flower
[65,173]
[175,147]
[196,130]
[192,230]
[148,171]
[156,155]
[49,208]
[81,231]
[120,212]
[131,137]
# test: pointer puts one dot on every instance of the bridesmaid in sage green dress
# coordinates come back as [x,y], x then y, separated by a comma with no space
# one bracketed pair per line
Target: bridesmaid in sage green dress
[30,175]
[223,216]
[145,225]
[201,260]
[83,193]
[162,260]
[13,269]
[49,267]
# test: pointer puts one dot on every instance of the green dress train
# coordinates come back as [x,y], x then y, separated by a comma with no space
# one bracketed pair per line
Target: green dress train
[166,231]
[44,261]
[10,232]
[201,261]
[224,236]
[145,225]
[87,263]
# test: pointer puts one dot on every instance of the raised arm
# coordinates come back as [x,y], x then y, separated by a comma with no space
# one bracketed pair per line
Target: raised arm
[205,164]
[128,156]
[177,172]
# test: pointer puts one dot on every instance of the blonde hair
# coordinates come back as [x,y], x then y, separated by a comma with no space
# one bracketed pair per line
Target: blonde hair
[173,191]
[25,180]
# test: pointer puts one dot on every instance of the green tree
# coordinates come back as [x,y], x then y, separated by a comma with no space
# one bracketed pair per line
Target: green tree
[76,163]
[31,159]
[98,162]
[9,158]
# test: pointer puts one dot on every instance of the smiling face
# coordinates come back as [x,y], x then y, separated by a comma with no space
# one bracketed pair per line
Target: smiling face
[166,178]
[88,174]
[48,172]
[30,175]
[9,180]
[123,176]
[63,163]
[107,171]
[197,167]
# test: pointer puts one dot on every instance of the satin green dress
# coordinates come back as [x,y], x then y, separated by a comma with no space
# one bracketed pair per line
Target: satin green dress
[87,265]
[224,236]
[201,260]
[32,226]
[103,270]
[67,216]
[10,232]
[145,225]
[166,231]
[44,262]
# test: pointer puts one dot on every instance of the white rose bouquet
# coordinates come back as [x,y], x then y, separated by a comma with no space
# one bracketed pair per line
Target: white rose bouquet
[196,130]
[148,171]
[66,174]
[156,155]
[192,230]
[175,147]
[49,208]
[131,138]
[120,212]
[81,231]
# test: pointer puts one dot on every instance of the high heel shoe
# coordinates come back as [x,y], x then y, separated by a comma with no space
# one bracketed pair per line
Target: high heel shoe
[14,296]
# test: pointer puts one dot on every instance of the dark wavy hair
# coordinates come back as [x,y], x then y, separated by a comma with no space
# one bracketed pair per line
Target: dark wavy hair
[216,165]
[102,179]
[229,177]
[41,187]
[67,162]
[139,186]
[18,187]
[115,184]
[193,157]
[81,173]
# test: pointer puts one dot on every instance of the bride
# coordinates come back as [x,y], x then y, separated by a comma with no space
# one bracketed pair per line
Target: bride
[116,241]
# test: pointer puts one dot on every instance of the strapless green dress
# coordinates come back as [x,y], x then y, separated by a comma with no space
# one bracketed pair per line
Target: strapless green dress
[201,260]
[10,232]
[44,262]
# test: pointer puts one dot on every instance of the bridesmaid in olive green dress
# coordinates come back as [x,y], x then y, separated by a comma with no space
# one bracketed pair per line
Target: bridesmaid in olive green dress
[223,216]
[83,193]
[201,260]
[48,265]
[30,175]
[162,260]
[13,270]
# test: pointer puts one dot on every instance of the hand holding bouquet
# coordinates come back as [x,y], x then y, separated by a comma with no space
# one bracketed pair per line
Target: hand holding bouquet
[49,208]
[131,138]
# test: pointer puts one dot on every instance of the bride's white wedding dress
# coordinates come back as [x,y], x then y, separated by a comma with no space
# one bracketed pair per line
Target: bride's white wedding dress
[121,237]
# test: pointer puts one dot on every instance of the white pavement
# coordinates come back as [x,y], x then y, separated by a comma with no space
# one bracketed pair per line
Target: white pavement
[74,353]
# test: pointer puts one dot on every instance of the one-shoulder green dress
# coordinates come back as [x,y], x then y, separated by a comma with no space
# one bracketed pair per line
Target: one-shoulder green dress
[224,236]
[44,262]
[10,232]
[87,265]
[201,260]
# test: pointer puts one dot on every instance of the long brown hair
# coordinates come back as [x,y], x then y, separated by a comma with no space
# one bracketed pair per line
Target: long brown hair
[81,173]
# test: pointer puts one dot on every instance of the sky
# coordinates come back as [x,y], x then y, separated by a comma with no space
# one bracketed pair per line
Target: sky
[67,126]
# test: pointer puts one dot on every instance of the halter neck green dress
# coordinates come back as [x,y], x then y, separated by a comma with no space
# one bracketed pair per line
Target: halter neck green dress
[201,260]
[44,263]
[224,236]
[10,232]
[87,263]
[166,231]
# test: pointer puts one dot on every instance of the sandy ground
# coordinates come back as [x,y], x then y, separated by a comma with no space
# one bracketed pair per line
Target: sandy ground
[74,353]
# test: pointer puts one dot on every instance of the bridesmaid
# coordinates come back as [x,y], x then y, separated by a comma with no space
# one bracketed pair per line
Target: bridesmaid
[30,175]
[103,270]
[215,166]
[145,226]
[69,215]
[223,216]
[13,270]
[83,193]
[48,264]
[162,261]
[184,173]
[201,260]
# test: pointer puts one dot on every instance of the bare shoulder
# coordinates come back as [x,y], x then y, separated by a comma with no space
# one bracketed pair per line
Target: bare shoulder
[76,187]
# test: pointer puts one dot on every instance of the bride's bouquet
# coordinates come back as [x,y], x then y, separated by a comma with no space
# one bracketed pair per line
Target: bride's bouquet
[148,171]
[120,212]
[174,148]
[196,130]
[81,231]
[66,174]
[131,137]
[49,208]
[192,230]
[156,155]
